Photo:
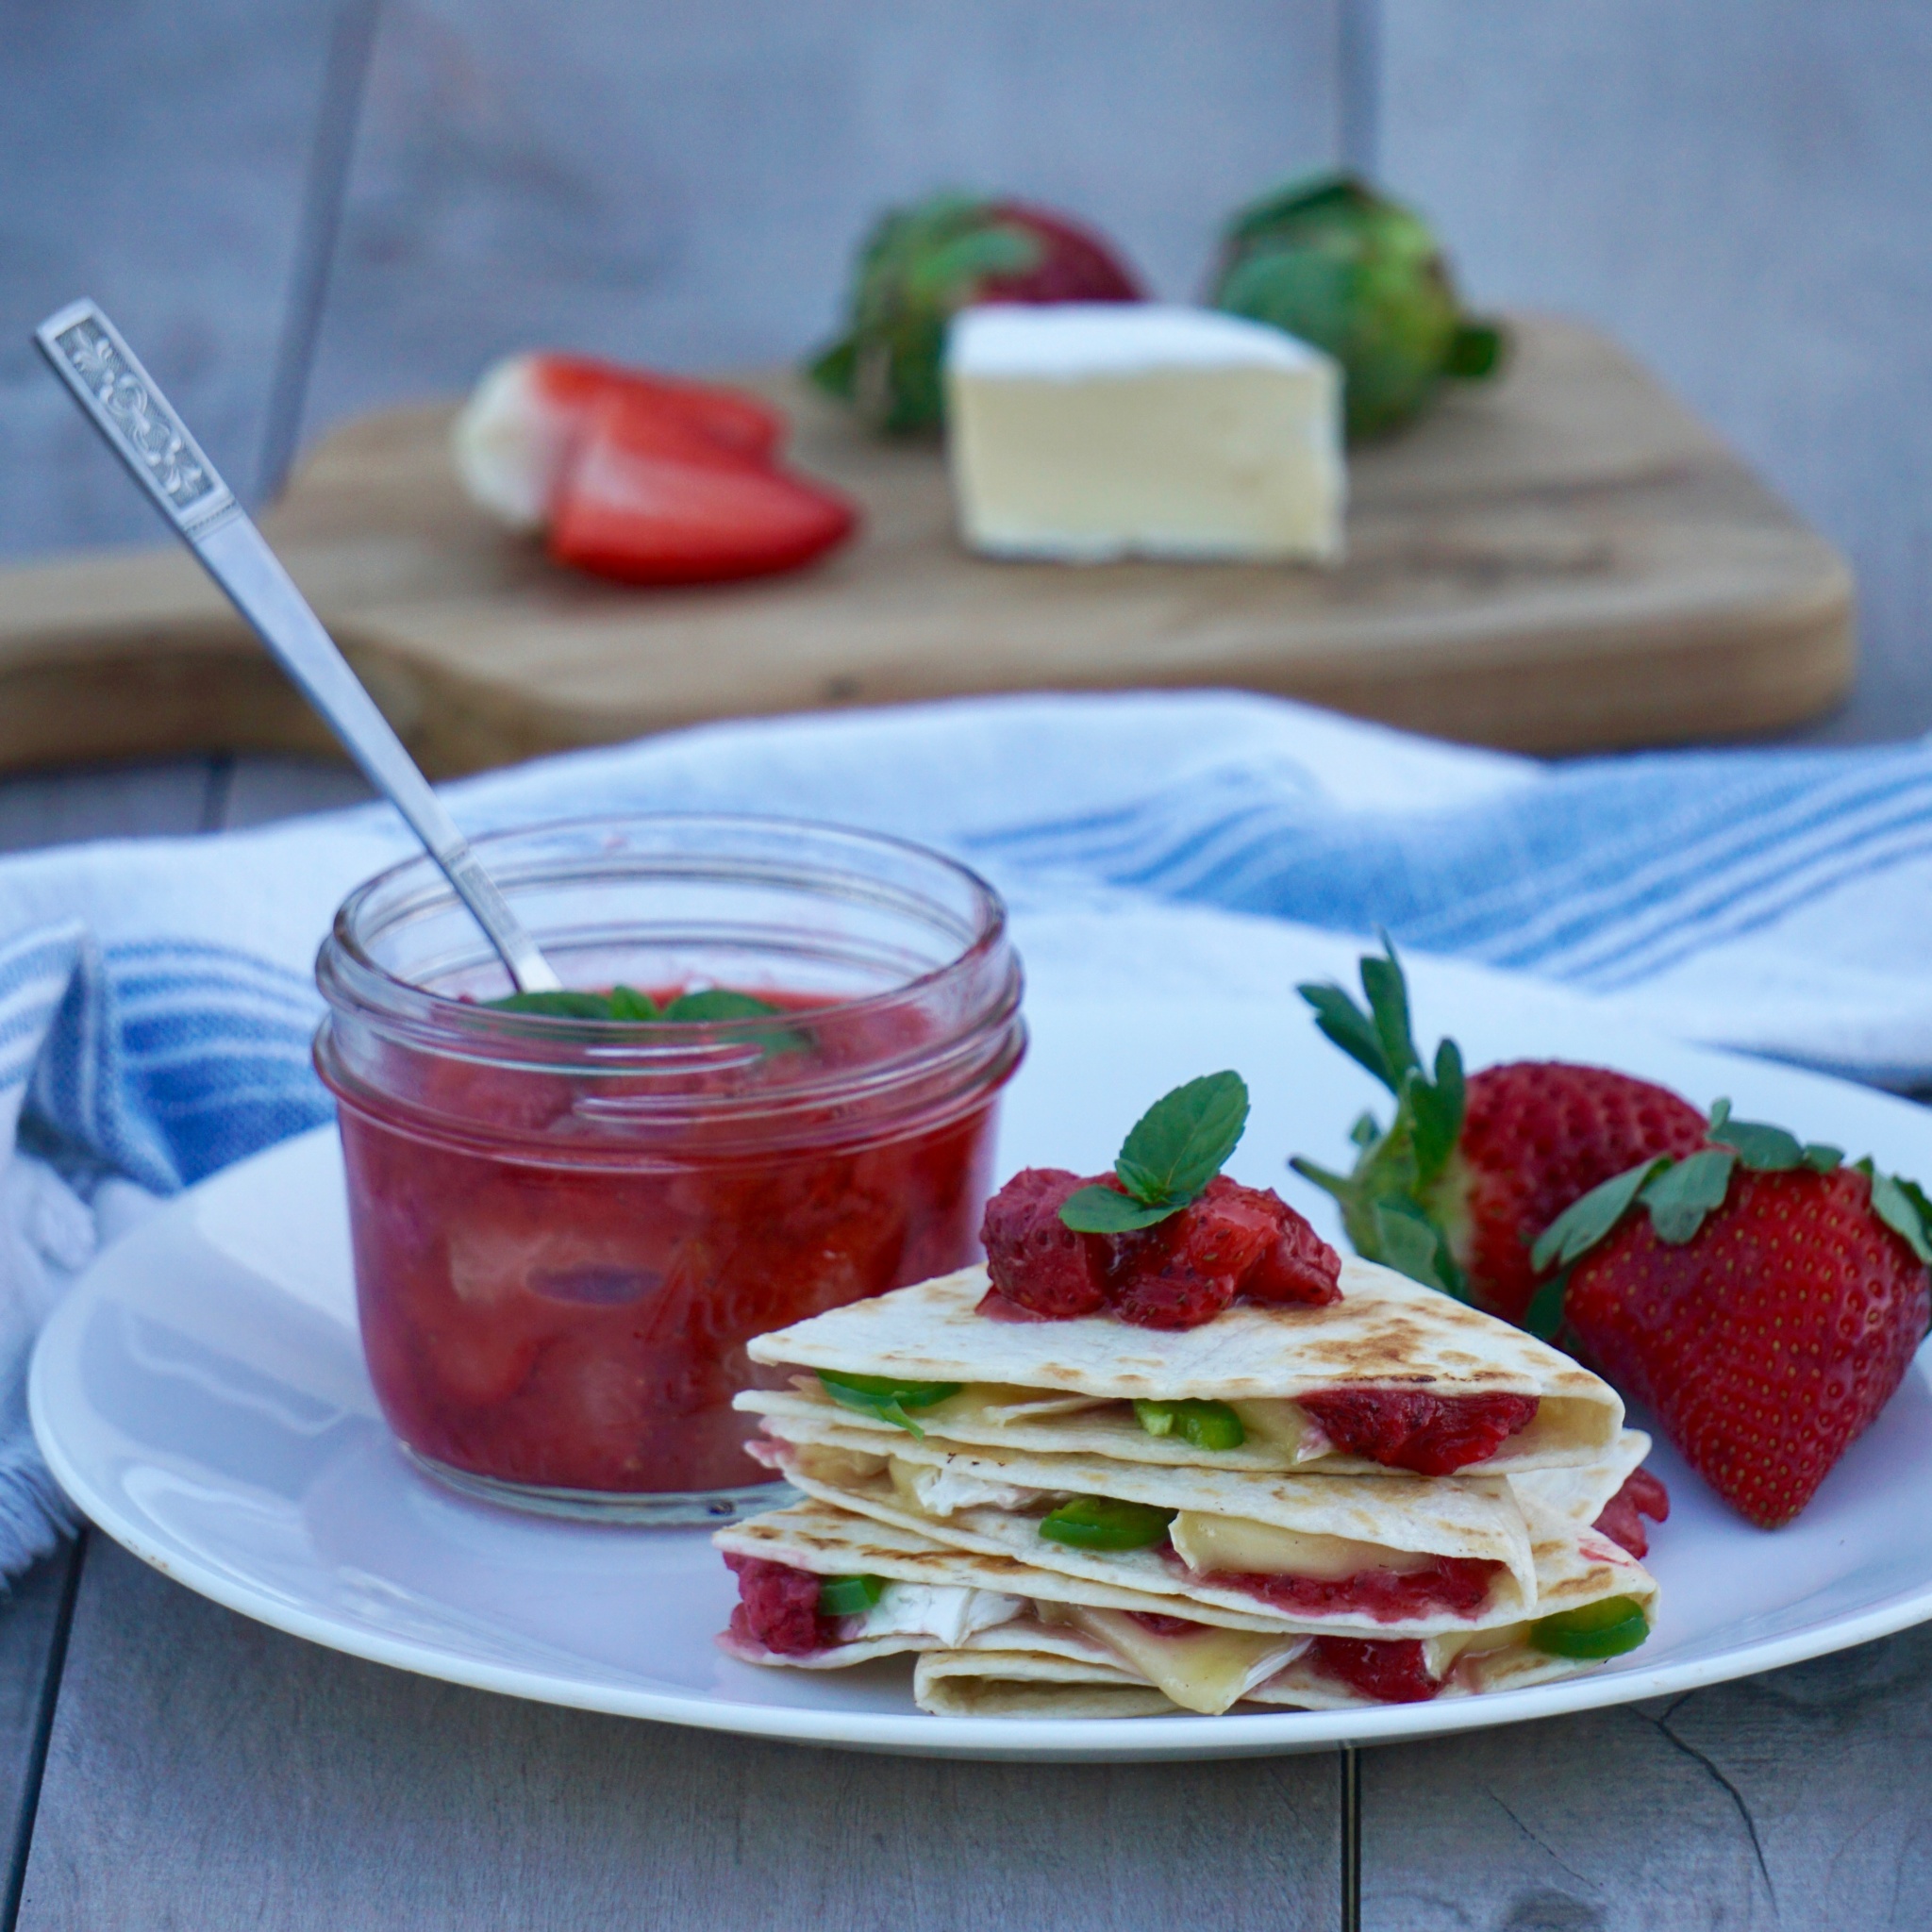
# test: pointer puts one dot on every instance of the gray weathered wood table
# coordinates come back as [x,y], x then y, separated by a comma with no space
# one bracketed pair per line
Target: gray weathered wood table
[164,1762]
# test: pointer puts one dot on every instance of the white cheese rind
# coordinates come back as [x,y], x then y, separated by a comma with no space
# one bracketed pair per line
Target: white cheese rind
[950,1613]
[1086,432]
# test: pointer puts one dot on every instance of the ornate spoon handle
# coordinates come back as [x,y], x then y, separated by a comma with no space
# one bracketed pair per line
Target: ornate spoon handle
[142,429]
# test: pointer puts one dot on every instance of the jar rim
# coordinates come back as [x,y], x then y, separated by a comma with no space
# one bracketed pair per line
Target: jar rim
[348,973]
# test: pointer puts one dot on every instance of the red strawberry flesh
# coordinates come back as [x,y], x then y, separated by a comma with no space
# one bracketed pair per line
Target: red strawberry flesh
[1391,1671]
[575,384]
[1458,1585]
[778,1608]
[1034,1259]
[1410,1428]
[1770,1342]
[648,498]
[1622,1520]
[1161,1624]
[1538,1135]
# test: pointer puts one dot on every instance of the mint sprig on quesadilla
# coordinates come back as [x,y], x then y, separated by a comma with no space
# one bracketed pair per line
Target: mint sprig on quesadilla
[1171,1153]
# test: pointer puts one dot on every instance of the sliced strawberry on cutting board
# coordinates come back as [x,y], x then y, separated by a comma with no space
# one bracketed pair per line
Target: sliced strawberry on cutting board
[1472,1170]
[648,499]
[514,438]
[1762,1299]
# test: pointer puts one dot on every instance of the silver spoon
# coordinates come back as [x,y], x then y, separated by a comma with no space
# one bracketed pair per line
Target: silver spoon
[142,429]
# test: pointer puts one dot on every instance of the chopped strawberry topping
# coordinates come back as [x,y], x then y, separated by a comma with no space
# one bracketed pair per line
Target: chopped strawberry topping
[1390,1672]
[1458,1585]
[1641,1495]
[1163,1625]
[1170,1296]
[1034,1259]
[1233,1240]
[778,1608]
[1410,1428]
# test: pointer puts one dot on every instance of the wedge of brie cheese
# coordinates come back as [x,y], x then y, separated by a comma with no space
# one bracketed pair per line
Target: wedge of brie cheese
[1087,431]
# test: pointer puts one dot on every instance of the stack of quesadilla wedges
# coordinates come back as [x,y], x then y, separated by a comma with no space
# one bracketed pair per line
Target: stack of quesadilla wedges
[1386,1499]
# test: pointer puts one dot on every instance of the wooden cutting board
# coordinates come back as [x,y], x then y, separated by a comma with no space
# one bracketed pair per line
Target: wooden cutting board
[1560,561]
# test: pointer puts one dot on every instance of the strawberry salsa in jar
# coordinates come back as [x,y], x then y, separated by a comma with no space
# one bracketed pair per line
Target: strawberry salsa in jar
[566,1228]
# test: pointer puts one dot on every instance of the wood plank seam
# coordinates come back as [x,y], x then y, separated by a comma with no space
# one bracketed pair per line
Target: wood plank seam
[43,1732]
[338,114]
[1350,1766]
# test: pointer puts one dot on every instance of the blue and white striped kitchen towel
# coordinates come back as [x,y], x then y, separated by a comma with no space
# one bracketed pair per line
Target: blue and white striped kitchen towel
[156,1002]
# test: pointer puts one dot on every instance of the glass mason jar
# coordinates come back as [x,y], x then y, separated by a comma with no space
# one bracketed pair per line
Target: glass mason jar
[566,1230]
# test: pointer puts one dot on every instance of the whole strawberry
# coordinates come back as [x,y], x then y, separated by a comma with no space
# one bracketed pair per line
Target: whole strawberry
[1458,1185]
[922,265]
[1762,1300]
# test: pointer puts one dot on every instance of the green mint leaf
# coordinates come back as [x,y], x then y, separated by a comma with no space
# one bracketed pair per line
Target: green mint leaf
[625,1002]
[557,1006]
[1343,1022]
[1409,1246]
[712,1004]
[1762,1148]
[1106,1210]
[1821,1157]
[1178,1145]
[1543,1318]
[1683,1194]
[1388,997]
[1589,1219]
[1900,1212]
[717,1003]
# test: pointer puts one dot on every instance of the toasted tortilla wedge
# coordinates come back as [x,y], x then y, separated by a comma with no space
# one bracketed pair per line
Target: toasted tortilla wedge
[1067,1650]
[1204,1669]
[993,1531]
[1478,1518]
[954,1683]
[820,1536]
[1387,1332]
[997,1676]
[1581,1495]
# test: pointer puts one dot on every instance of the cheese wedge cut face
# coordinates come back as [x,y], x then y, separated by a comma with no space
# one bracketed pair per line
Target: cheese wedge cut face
[1084,431]
[1385,1333]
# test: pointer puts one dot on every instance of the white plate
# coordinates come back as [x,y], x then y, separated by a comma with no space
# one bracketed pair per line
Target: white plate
[201,1395]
